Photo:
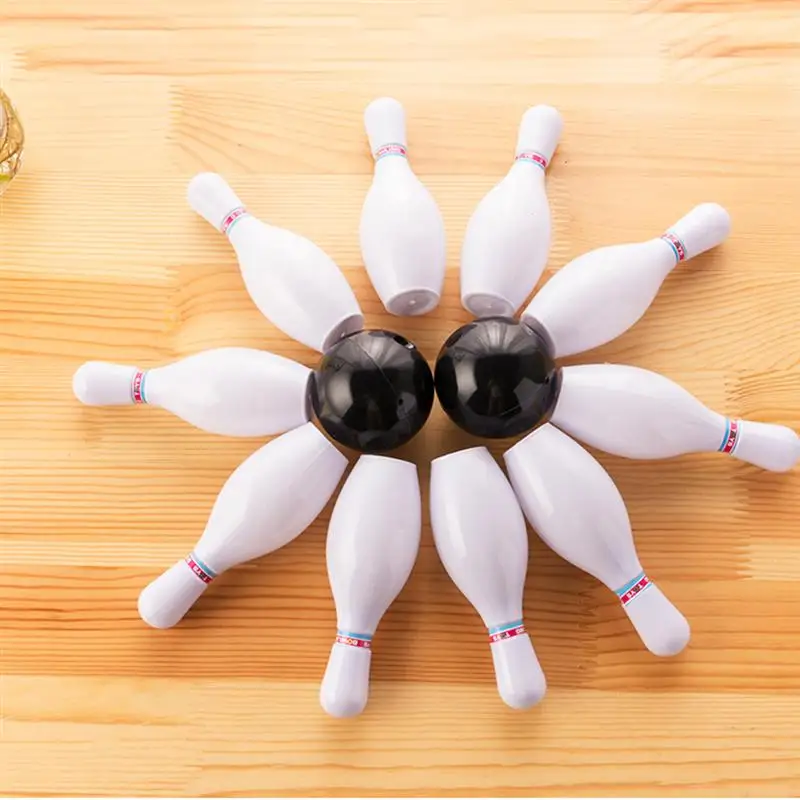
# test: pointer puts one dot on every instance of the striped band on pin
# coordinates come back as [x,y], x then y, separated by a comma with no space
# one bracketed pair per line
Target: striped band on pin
[508,631]
[232,218]
[354,639]
[731,438]
[533,157]
[678,247]
[392,149]
[201,570]
[137,387]
[633,588]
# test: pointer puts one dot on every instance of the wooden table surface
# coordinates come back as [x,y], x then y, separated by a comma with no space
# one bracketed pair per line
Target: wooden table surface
[667,103]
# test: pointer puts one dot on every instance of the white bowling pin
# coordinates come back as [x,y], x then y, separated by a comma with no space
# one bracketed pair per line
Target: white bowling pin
[507,240]
[270,499]
[574,506]
[601,294]
[402,231]
[480,535]
[373,539]
[233,391]
[293,282]
[636,413]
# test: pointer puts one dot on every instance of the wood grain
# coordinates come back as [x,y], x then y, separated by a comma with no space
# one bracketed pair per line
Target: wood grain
[667,103]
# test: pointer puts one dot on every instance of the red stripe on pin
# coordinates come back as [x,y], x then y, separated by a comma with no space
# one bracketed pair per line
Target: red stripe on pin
[536,158]
[351,641]
[390,150]
[237,213]
[680,249]
[637,588]
[198,570]
[733,435]
[137,385]
[509,633]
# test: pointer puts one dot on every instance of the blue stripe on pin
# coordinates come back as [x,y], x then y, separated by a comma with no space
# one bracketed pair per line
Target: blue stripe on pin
[210,572]
[630,584]
[142,391]
[365,636]
[506,627]
[726,436]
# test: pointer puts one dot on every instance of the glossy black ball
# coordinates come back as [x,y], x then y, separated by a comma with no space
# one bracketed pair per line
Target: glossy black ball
[496,377]
[372,391]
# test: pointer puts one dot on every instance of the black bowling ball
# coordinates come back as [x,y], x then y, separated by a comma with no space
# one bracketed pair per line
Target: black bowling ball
[496,377]
[372,391]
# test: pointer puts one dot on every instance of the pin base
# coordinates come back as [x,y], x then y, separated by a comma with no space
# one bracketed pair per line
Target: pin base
[350,324]
[412,303]
[488,305]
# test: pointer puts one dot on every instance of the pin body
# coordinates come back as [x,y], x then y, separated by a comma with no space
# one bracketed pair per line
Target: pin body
[293,282]
[601,294]
[480,535]
[373,540]
[232,391]
[402,231]
[507,240]
[636,413]
[270,499]
[574,506]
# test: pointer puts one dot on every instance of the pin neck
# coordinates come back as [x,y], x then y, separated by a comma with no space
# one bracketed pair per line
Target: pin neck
[730,440]
[201,570]
[509,630]
[532,157]
[360,640]
[231,218]
[138,382]
[633,588]
[676,245]
[390,149]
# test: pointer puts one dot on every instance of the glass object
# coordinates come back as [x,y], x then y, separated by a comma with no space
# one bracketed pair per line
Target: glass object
[12,139]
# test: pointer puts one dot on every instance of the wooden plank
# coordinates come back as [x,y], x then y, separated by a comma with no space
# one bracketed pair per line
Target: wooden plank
[667,103]
[237,737]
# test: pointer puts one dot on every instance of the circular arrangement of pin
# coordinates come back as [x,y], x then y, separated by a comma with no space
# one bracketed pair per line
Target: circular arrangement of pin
[496,377]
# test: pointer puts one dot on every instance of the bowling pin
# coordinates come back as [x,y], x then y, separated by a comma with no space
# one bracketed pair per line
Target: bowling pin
[295,285]
[635,413]
[270,499]
[601,294]
[373,539]
[402,231]
[574,506]
[508,236]
[479,532]
[232,391]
